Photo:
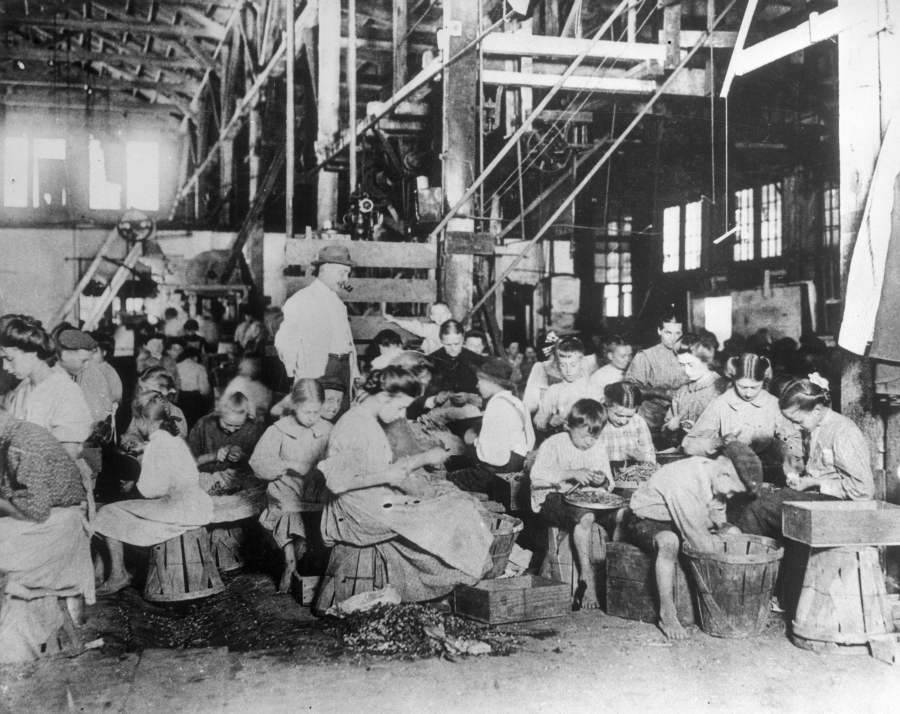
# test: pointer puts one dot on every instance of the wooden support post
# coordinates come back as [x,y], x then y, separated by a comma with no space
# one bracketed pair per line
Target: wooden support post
[400,28]
[460,125]
[290,124]
[329,101]
[672,33]
[351,87]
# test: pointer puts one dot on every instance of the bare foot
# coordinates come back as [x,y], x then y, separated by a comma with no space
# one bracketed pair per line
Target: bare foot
[113,585]
[589,599]
[285,585]
[671,628]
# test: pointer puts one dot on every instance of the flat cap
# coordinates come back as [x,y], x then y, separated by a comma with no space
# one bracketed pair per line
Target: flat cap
[76,340]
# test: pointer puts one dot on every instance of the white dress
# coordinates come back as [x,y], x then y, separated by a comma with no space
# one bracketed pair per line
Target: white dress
[174,502]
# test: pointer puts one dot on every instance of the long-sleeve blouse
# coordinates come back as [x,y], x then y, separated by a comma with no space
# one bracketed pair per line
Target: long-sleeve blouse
[839,458]
[691,399]
[656,369]
[757,423]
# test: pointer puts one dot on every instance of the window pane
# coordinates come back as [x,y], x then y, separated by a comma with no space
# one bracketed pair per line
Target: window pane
[562,257]
[15,172]
[626,300]
[611,300]
[743,219]
[103,194]
[49,172]
[831,219]
[770,220]
[671,235]
[142,174]
[693,235]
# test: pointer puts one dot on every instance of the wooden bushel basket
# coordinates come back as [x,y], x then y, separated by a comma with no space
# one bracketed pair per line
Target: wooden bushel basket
[735,584]
[182,568]
[843,602]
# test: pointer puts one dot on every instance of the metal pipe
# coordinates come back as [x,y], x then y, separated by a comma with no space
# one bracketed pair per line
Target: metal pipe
[529,120]
[602,160]
[289,121]
[351,85]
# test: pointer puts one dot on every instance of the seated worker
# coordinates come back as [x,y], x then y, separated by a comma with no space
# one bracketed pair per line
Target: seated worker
[696,353]
[384,347]
[506,434]
[286,457]
[192,337]
[44,546]
[657,373]
[155,380]
[454,365]
[685,500]
[222,443]
[618,353]
[837,467]
[557,400]
[194,397]
[247,382]
[542,374]
[575,456]
[749,414]
[424,535]
[626,436]
[153,354]
[476,341]
[172,504]
[428,330]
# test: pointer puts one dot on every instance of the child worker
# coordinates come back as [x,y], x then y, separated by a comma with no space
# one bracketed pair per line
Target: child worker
[574,457]
[556,402]
[696,353]
[506,435]
[429,330]
[626,436]
[286,457]
[222,442]
[685,500]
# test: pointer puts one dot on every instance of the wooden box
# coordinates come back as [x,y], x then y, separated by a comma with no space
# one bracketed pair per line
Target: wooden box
[631,586]
[526,597]
[886,648]
[825,524]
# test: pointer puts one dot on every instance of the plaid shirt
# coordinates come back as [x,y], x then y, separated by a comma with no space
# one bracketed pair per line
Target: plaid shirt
[632,441]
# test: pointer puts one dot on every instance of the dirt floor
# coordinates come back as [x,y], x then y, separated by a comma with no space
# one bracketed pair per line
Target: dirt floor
[252,650]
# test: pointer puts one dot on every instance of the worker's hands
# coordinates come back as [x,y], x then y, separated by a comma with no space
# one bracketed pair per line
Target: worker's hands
[470,436]
[459,399]
[435,456]
[557,420]
[674,423]
[222,453]
[801,483]
[585,477]
[441,398]
[235,454]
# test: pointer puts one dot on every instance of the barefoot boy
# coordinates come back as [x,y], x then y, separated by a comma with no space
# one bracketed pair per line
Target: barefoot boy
[686,500]
[575,456]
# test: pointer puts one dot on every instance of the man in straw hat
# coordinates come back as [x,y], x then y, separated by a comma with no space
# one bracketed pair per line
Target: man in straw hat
[686,500]
[315,340]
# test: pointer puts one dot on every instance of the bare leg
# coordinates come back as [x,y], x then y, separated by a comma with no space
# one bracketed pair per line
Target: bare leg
[118,576]
[666,557]
[581,536]
[293,551]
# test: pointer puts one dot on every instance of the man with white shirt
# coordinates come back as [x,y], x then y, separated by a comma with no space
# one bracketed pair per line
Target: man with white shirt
[314,340]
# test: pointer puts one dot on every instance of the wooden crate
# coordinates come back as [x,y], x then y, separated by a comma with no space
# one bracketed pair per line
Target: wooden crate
[631,586]
[526,597]
[825,524]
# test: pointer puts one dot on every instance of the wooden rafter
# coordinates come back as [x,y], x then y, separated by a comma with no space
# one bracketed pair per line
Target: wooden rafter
[131,27]
[133,57]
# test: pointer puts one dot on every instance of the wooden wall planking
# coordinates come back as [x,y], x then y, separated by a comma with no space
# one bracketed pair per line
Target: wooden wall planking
[366,254]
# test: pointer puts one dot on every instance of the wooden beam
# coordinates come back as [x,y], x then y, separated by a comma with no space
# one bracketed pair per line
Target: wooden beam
[400,24]
[816,29]
[62,56]
[722,39]
[691,83]
[378,289]
[134,27]
[328,96]
[515,45]
[746,20]
[366,254]
[24,80]
[366,45]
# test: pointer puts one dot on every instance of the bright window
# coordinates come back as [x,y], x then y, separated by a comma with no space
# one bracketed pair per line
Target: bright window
[743,219]
[770,220]
[142,174]
[617,300]
[693,234]
[671,238]
[831,218]
[48,172]
[103,193]
[15,172]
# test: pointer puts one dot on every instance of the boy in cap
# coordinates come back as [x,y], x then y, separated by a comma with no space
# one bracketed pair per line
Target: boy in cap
[686,500]
[76,356]
[506,435]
